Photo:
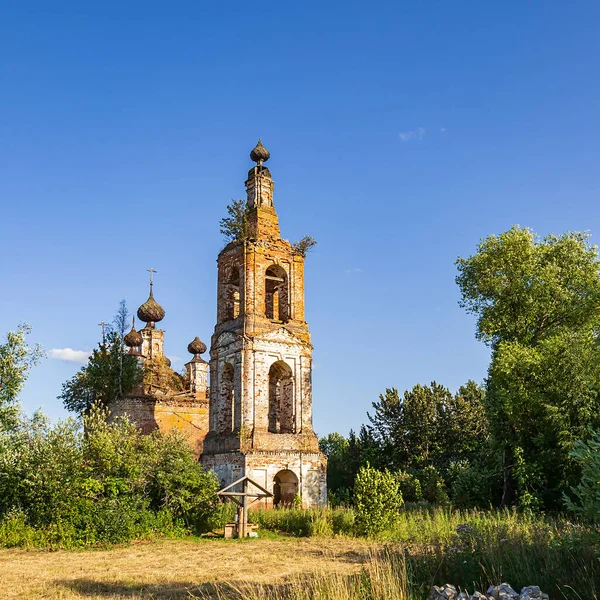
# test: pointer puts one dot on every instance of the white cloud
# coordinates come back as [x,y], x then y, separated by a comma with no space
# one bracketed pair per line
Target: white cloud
[70,355]
[443,130]
[416,134]
[354,270]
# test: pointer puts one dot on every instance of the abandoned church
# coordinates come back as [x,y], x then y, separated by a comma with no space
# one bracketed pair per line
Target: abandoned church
[249,410]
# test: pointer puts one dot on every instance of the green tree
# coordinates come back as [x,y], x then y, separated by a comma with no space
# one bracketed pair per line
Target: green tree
[16,360]
[339,475]
[523,288]
[235,225]
[429,426]
[536,302]
[585,500]
[110,373]
[377,500]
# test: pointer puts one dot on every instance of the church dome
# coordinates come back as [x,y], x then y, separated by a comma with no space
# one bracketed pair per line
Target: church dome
[151,311]
[259,153]
[133,338]
[196,346]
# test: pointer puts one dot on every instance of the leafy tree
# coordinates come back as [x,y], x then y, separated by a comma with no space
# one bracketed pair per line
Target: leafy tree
[110,372]
[16,360]
[339,475]
[537,301]
[409,485]
[235,225]
[429,426]
[377,500]
[586,500]
[541,400]
[523,288]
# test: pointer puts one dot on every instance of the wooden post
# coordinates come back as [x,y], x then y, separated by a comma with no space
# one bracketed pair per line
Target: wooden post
[244,523]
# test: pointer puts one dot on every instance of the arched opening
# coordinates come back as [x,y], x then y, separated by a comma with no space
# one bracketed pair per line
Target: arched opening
[276,294]
[285,488]
[281,398]
[227,399]
[231,295]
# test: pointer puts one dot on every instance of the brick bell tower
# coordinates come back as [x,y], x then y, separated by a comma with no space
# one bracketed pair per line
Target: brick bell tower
[260,417]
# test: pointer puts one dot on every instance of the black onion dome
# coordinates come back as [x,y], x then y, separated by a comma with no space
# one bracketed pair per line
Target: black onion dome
[133,339]
[151,311]
[196,346]
[259,153]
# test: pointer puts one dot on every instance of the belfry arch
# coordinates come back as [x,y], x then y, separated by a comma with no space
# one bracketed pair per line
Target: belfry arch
[276,294]
[231,306]
[281,398]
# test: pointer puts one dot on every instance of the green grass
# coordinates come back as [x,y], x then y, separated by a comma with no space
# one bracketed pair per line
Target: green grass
[471,549]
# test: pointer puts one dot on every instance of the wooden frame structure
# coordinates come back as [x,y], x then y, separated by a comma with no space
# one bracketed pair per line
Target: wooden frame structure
[242,501]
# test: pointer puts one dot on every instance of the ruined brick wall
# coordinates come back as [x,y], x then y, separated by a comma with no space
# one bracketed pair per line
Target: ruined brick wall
[189,416]
[261,360]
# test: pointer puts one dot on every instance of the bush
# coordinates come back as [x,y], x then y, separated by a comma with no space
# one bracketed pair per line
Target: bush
[377,500]
[63,487]
[587,493]
[432,486]
[410,486]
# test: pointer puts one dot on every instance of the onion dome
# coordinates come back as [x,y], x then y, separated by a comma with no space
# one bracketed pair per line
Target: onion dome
[151,311]
[259,153]
[134,338]
[196,346]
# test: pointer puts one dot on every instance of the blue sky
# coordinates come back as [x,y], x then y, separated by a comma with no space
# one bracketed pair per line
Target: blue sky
[400,134]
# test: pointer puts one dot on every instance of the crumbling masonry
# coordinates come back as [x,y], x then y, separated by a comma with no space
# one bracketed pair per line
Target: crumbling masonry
[259,420]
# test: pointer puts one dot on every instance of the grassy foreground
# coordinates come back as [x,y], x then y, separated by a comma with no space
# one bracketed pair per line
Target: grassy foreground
[320,558]
[166,569]
[472,549]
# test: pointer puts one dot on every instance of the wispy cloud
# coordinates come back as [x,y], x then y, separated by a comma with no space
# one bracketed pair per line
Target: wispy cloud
[354,270]
[70,355]
[443,130]
[415,134]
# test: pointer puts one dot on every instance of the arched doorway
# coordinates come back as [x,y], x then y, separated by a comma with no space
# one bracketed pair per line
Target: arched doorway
[285,488]
[281,398]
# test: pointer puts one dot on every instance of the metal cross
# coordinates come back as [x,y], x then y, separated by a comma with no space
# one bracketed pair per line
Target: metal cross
[151,271]
[103,325]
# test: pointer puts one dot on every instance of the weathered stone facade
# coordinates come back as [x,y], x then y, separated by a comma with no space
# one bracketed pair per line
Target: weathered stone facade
[261,362]
[165,400]
[182,412]
[258,420]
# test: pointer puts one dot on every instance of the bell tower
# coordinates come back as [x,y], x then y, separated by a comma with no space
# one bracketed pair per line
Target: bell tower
[260,415]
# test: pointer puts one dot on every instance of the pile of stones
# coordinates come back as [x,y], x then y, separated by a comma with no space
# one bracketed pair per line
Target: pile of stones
[495,592]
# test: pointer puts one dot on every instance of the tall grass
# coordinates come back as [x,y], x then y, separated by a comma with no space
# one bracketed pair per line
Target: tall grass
[472,549]
[306,522]
[383,577]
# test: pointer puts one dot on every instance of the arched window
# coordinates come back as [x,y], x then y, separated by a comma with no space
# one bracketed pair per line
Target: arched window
[231,294]
[281,398]
[227,399]
[276,294]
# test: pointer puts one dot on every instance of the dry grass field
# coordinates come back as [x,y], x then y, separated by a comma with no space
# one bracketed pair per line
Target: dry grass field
[171,568]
